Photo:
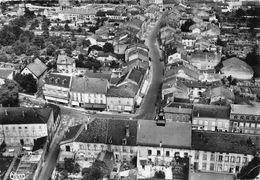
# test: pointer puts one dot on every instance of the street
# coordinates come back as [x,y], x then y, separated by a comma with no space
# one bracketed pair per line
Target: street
[148,107]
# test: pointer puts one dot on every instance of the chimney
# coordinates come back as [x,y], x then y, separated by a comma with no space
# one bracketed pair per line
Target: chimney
[160,143]
[198,115]
[23,114]
[179,107]
[6,113]
[86,126]
[127,131]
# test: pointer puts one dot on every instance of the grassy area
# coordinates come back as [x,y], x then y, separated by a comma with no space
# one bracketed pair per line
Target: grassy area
[4,164]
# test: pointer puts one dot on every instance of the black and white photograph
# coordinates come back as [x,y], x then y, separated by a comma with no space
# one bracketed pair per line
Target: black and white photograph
[129,89]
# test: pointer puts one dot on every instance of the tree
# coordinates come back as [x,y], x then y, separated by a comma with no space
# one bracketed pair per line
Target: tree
[34,24]
[45,24]
[93,173]
[9,94]
[186,26]
[159,174]
[86,43]
[26,36]
[66,27]
[114,64]
[251,170]
[108,47]
[29,14]
[27,83]
[3,7]
[39,41]
[19,21]
[69,164]
[50,50]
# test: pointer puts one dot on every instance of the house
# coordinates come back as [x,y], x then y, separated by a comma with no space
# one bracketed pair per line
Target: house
[135,63]
[77,14]
[222,152]
[66,64]
[89,93]
[37,69]
[137,51]
[166,31]
[237,68]
[220,95]
[188,41]
[90,139]
[175,57]
[56,88]
[173,87]
[183,72]
[204,60]
[211,117]
[158,144]
[21,126]
[179,113]
[245,118]
[6,74]
[128,92]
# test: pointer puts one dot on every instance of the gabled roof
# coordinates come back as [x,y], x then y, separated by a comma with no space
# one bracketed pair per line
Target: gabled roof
[24,115]
[101,75]
[211,111]
[225,142]
[173,134]
[89,85]
[137,75]
[57,79]
[127,90]
[245,109]
[37,67]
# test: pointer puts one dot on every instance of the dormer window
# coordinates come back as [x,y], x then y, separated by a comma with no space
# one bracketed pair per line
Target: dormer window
[124,141]
[57,80]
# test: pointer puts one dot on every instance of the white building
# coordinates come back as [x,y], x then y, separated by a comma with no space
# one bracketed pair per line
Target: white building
[89,92]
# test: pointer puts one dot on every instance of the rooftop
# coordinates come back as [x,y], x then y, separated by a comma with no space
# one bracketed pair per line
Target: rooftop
[107,131]
[173,134]
[245,109]
[127,90]
[57,79]
[24,115]
[225,142]
[64,60]
[211,111]
[89,85]
[37,67]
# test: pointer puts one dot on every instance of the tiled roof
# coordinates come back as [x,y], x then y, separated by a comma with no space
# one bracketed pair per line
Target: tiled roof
[245,109]
[127,90]
[89,85]
[236,65]
[211,111]
[225,142]
[64,60]
[138,51]
[137,75]
[37,67]
[220,91]
[179,69]
[57,79]
[109,131]
[173,134]
[200,56]
[4,73]
[23,115]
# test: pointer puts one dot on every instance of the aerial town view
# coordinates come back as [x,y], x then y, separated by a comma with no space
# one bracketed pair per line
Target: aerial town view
[129,89]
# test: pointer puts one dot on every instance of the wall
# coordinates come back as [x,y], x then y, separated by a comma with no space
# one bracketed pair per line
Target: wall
[94,98]
[210,123]
[120,104]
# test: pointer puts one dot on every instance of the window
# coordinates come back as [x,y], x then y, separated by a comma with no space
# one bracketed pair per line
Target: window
[258,125]
[67,148]
[238,159]
[204,157]
[247,124]
[195,121]
[235,117]
[200,122]
[214,124]
[226,125]
[211,167]
[241,124]
[220,158]
[232,159]
[206,123]
[149,152]
[25,127]
[244,160]
[212,157]
[197,155]
[158,153]
[167,153]
[252,125]
[204,166]
[226,158]
[219,124]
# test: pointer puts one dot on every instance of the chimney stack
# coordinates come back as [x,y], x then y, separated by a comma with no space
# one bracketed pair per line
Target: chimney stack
[23,114]
[6,113]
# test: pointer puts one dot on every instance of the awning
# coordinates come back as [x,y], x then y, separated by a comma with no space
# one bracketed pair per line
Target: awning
[94,106]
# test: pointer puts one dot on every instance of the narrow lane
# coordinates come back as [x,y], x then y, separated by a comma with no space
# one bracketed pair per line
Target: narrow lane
[148,107]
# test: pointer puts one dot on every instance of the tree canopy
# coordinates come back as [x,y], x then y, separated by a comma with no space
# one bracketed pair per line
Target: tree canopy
[108,47]
[9,94]
[27,83]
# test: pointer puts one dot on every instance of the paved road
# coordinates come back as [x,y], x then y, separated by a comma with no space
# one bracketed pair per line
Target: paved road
[148,107]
